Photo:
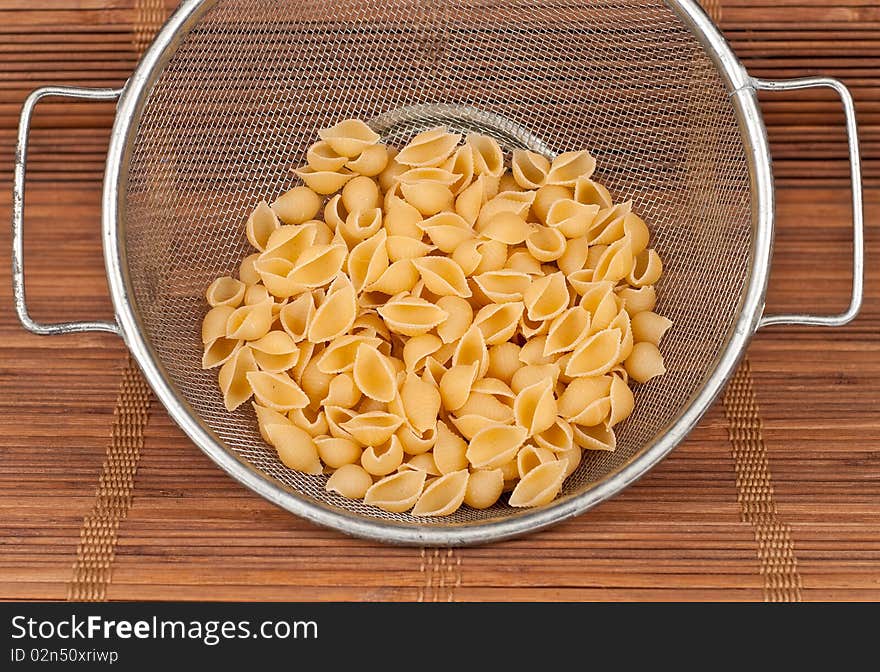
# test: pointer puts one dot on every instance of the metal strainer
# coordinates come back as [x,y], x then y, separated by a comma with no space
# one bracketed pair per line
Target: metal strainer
[232,92]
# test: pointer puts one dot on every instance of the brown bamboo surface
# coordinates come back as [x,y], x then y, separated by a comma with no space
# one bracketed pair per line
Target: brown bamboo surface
[776,495]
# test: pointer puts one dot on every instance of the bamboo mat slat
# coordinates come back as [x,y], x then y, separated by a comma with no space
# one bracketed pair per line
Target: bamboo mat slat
[683,532]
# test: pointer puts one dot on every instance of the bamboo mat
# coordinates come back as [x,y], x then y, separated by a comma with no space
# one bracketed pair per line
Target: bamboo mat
[775,496]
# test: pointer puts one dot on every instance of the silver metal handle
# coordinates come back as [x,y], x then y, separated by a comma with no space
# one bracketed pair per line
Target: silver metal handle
[18,211]
[857,210]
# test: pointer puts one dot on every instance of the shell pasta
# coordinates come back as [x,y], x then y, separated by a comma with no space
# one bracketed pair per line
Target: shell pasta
[435,325]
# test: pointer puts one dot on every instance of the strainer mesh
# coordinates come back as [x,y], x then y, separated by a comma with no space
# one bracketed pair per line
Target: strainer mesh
[249,86]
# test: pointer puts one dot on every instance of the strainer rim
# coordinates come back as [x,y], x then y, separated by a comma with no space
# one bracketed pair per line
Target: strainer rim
[129,110]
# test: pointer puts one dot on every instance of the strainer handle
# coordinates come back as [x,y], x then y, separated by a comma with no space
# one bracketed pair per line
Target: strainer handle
[18,211]
[857,210]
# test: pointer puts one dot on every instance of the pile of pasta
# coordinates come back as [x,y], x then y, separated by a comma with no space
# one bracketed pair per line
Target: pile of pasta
[449,330]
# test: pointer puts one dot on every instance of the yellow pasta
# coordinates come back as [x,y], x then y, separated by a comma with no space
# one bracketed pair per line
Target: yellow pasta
[349,480]
[484,488]
[397,493]
[540,485]
[444,496]
[443,329]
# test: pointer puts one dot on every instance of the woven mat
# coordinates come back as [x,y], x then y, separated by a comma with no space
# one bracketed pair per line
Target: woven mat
[775,496]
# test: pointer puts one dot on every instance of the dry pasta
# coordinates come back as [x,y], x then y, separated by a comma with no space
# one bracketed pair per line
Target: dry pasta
[432,328]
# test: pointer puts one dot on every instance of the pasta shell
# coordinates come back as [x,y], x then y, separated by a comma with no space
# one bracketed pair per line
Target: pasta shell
[638,300]
[405,247]
[349,138]
[546,297]
[460,315]
[411,316]
[321,156]
[324,181]
[488,407]
[574,257]
[382,461]
[516,202]
[598,300]
[540,486]
[442,276]
[622,322]
[586,401]
[336,417]
[622,401]
[417,349]
[557,437]
[572,458]
[447,231]
[295,206]
[350,480]
[471,424]
[444,496]
[214,323]
[266,417]
[470,200]
[484,488]
[421,402]
[260,225]
[401,276]
[498,322]
[277,391]
[495,445]
[503,361]
[430,148]
[335,213]
[455,385]
[397,493]
[247,272]
[373,428]
[592,193]
[546,244]
[607,226]
[495,387]
[318,265]
[371,162]
[402,219]
[571,218]
[596,355]
[533,351]
[306,350]
[600,437]
[646,269]
[296,316]
[616,262]
[219,351]
[312,421]
[374,374]
[504,285]
[647,327]
[645,362]
[449,450]
[493,256]
[343,392]
[360,225]
[529,169]
[461,164]
[368,260]
[428,189]
[535,407]
[336,314]
[288,242]
[544,199]
[296,449]
[522,260]
[249,323]
[472,349]
[416,444]
[636,230]
[531,457]
[507,227]
[360,194]
[533,373]
[567,331]
[336,453]
[488,157]
[275,352]
[423,462]
[569,166]
[392,171]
